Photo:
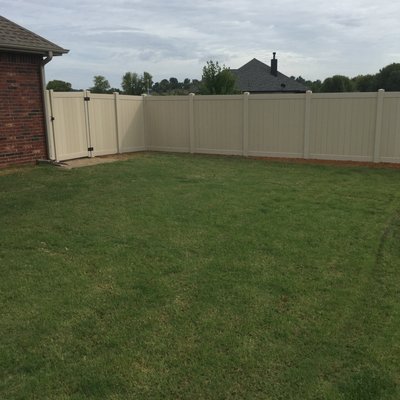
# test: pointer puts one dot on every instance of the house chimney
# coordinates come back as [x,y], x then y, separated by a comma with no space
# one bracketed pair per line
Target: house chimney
[274,65]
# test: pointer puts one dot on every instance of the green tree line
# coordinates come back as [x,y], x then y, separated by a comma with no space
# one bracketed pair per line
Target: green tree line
[387,78]
[217,79]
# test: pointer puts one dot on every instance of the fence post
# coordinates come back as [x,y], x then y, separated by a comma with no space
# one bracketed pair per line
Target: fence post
[378,126]
[48,126]
[145,137]
[51,123]
[116,103]
[307,115]
[192,144]
[245,144]
[89,138]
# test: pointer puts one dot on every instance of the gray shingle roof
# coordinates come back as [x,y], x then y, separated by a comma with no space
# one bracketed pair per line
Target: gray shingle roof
[14,37]
[255,76]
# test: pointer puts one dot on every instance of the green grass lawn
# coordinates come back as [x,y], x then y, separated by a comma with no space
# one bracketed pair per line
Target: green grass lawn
[196,277]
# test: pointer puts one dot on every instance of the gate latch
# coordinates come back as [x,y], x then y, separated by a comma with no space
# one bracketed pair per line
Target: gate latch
[90,149]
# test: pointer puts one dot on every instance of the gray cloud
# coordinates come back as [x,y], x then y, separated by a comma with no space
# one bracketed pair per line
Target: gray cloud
[314,39]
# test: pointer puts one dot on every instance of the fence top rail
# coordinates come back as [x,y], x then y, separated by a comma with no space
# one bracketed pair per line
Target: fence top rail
[110,96]
[72,95]
[83,93]
[167,98]
[196,98]
[101,96]
[125,97]
[345,95]
[218,97]
[392,95]
[277,96]
[227,97]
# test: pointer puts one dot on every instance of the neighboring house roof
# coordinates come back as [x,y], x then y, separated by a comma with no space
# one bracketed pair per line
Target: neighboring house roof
[255,76]
[14,37]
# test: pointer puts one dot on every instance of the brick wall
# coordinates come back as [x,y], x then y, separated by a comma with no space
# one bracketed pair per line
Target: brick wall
[22,128]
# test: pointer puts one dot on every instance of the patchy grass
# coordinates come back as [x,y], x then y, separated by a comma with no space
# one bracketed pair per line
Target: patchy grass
[191,277]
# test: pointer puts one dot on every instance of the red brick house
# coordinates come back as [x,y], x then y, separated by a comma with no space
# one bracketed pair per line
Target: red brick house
[23,55]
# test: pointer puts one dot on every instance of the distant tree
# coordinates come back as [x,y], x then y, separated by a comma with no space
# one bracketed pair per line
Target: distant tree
[135,84]
[132,84]
[174,84]
[388,78]
[365,83]
[59,86]
[195,86]
[114,90]
[165,86]
[217,79]
[337,83]
[156,87]
[226,82]
[174,87]
[161,88]
[100,84]
[300,79]
[186,84]
[147,81]
[315,86]
[209,77]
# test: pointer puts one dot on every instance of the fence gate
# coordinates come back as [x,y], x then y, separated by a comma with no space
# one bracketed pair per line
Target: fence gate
[70,125]
[82,125]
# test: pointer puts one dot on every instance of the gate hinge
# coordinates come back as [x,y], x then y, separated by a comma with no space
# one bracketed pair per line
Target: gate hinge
[90,148]
[52,118]
[86,98]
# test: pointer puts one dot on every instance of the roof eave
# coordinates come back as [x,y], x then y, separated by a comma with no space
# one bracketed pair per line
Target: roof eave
[29,50]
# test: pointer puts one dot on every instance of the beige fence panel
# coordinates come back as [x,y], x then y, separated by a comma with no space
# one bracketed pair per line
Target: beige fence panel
[342,126]
[69,125]
[130,120]
[390,135]
[337,126]
[218,124]
[167,123]
[276,125]
[102,124]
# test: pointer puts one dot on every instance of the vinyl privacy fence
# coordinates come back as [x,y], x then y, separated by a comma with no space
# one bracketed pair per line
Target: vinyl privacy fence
[345,126]
[83,124]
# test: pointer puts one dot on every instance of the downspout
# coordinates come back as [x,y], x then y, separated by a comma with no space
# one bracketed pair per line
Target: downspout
[46,111]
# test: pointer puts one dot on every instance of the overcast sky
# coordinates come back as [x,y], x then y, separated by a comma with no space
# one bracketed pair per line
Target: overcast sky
[174,38]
